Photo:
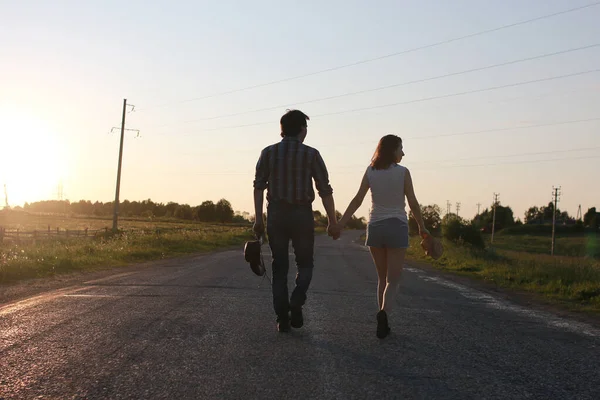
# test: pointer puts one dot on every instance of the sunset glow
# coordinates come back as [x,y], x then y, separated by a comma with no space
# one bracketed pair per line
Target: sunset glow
[36,162]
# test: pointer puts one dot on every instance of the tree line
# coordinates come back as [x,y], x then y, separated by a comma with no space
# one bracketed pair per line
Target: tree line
[222,211]
[536,219]
[432,216]
[207,211]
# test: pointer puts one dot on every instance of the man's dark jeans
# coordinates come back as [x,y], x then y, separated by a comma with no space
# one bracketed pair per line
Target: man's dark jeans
[287,222]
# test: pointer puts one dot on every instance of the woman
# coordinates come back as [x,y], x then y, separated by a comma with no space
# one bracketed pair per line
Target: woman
[387,229]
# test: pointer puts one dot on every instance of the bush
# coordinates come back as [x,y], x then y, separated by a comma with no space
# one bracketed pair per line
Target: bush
[460,233]
[431,218]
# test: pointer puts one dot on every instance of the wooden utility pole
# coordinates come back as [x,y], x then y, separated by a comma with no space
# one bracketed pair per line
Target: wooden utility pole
[116,205]
[6,198]
[555,194]
[494,216]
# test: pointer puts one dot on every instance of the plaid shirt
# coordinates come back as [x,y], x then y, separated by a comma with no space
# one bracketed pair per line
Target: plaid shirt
[286,170]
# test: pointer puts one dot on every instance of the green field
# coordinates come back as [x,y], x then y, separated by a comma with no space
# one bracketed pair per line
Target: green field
[138,240]
[29,222]
[523,262]
[573,245]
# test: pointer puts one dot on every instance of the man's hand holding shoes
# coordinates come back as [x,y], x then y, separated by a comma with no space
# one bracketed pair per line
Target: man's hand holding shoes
[258,228]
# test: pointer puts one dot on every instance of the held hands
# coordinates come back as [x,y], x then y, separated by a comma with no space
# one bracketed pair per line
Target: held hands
[334,230]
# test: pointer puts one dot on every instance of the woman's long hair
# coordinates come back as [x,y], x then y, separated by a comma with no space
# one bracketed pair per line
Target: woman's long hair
[385,154]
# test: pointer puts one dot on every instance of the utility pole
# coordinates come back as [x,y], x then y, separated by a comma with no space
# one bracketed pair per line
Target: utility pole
[494,215]
[6,198]
[555,195]
[478,207]
[447,208]
[116,205]
[579,217]
[59,195]
[457,208]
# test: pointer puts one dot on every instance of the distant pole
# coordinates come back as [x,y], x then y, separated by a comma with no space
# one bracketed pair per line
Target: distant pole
[457,208]
[447,207]
[478,207]
[6,198]
[116,205]
[494,216]
[555,194]
[579,213]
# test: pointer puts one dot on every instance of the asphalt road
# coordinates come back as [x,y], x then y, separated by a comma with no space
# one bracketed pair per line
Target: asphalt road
[203,327]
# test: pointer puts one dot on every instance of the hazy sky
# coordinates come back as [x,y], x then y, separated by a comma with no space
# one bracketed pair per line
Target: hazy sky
[65,67]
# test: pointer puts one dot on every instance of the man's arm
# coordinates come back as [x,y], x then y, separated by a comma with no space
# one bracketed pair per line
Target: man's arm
[329,205]
[260,184]
[321,177]
[259,226]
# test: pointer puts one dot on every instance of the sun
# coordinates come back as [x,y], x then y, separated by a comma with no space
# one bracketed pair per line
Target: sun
[32,161]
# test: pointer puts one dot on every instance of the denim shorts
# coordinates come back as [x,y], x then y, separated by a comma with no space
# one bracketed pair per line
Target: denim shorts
[391,233]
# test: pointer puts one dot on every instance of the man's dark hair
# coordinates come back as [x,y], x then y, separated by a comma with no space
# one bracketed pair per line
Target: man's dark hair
[292,122]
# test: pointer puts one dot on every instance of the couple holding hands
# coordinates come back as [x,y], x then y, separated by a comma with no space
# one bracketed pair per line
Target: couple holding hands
[287,170]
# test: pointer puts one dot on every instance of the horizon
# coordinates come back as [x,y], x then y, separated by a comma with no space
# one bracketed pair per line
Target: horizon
[488,98]
[250,215]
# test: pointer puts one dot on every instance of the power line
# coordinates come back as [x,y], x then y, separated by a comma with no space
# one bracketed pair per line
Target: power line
[507,129]
[234,127]
[422,169]
[496,156]
[544,125]
[506,100]
[368,60]
[493,130]
[499,101]
[387,86]
[521,154]
[514,162]
[460,93]
[425,99]
[545,95]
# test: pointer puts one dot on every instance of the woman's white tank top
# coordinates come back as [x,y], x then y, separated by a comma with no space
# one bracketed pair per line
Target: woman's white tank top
[387,193]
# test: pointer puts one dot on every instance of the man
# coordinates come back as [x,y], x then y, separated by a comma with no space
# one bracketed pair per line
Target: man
[286,170]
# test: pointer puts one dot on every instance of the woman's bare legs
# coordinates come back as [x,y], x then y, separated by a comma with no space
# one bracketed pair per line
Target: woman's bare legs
[395,263]
[379,256]
[389,264]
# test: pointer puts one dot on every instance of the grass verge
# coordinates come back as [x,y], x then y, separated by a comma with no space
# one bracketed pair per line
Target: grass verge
[573,245]
[573,282]
[51,257]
